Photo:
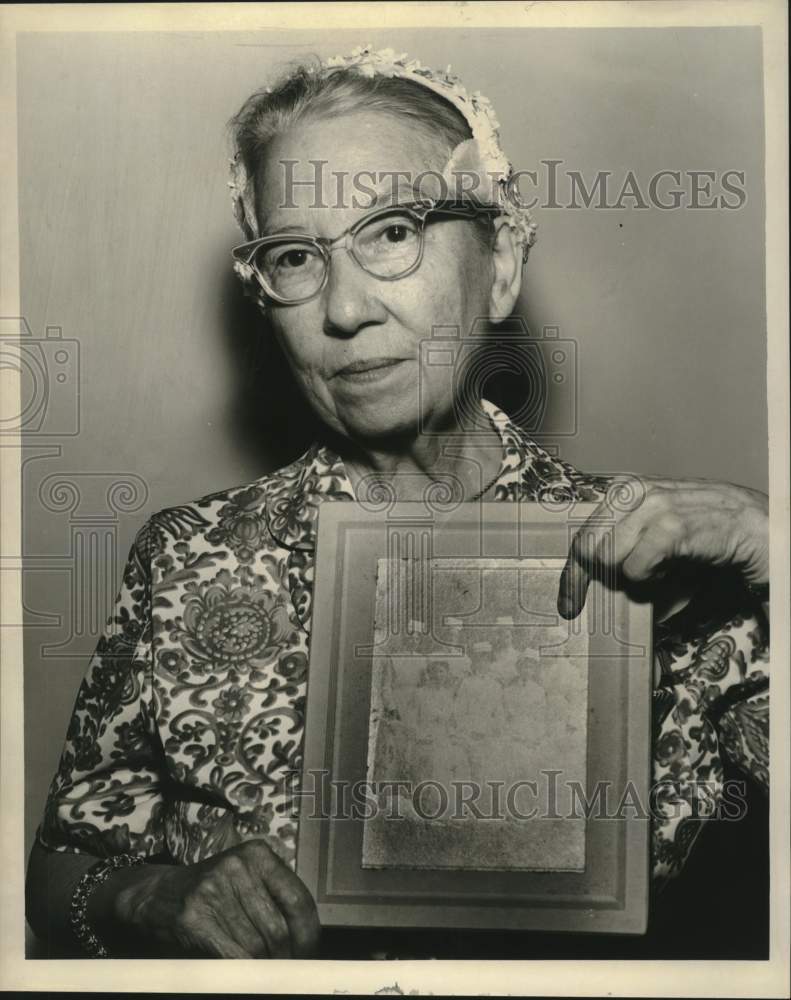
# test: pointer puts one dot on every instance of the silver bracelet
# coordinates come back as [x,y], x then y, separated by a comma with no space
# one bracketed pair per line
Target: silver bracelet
[95,875]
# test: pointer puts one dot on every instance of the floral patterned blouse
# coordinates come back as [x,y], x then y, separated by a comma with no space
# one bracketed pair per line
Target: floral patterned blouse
[187,729]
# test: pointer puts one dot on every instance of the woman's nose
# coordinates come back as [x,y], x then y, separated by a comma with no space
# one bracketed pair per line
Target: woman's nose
[350,301]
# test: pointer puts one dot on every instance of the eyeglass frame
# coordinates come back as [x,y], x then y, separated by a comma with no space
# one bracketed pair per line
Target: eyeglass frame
[419,211]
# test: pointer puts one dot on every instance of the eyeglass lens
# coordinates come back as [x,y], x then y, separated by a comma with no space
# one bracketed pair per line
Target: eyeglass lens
[387,246]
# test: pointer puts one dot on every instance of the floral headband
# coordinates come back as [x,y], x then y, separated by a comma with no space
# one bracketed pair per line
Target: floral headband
[480,156]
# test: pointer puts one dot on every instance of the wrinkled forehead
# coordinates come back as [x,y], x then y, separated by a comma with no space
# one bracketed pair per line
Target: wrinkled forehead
[322,174]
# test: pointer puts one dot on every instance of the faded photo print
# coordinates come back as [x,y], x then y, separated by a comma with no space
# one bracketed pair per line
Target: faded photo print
[471,705]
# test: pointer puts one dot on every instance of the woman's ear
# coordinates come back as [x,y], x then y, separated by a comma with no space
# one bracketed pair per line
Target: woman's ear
[507,280]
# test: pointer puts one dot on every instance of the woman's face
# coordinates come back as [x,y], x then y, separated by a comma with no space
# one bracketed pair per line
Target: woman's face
[355,347]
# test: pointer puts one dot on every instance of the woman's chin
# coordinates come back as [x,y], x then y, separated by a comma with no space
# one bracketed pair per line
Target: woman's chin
[378,419]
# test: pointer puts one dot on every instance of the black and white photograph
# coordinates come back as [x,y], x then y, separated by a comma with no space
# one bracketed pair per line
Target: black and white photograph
[395,497]
[503,703]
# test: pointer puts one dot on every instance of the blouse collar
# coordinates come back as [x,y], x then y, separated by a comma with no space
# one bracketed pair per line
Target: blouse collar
[295,492]
[330,480]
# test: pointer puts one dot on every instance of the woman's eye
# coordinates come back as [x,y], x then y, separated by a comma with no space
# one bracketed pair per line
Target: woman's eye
[392,233]
[292,258]
[398,232]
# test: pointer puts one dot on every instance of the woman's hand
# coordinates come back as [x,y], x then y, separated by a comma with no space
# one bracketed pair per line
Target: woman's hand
[242,903]
[644,524]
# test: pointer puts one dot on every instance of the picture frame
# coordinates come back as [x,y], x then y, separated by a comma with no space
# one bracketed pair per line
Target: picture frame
[600,887]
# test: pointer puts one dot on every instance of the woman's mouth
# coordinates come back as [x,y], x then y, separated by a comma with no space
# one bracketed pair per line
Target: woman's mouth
[368,370]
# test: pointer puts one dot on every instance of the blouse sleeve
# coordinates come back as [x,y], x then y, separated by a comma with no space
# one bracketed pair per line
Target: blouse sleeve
[712,703]
[105,797]
[742,714]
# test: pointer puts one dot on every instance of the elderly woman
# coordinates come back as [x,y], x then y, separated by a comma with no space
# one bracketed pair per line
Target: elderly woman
[376,204]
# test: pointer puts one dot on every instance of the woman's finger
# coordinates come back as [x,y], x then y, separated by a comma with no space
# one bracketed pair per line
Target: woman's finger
[229,918]
[247,932]
[264,914]
[655,546]
[573,588]
[221,945]
[575,576]
[213,911]
[292,898]
[593,550]
[605,541]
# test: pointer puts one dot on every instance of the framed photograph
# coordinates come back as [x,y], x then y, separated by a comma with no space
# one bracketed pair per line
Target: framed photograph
[472,759]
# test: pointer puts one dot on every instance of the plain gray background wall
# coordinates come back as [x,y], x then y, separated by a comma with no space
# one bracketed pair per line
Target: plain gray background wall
[125,227]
